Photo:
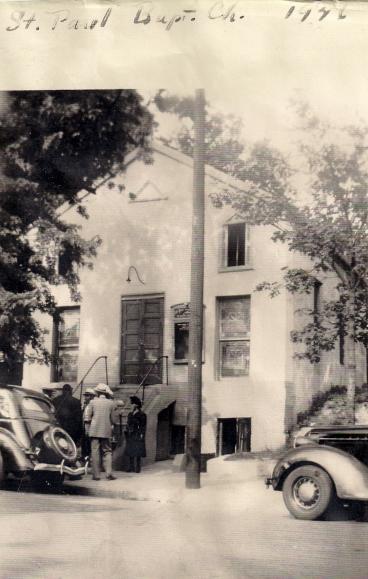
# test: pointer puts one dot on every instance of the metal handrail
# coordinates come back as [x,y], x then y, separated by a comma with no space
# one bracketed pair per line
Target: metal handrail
[143,385]
[80,383]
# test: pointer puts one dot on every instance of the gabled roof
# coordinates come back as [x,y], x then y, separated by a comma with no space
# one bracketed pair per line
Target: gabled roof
[162,149]
[210,171]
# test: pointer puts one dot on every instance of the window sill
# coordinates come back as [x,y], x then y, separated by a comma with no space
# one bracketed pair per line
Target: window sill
[235,268]
[182,362]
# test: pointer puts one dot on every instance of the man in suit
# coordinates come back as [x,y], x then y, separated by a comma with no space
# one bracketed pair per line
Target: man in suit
[99,414]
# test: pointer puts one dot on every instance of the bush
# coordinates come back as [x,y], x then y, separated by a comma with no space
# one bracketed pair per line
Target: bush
[330,407]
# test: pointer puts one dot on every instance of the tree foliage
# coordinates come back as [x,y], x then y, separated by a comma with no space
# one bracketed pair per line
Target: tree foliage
[56,147]
[317,206]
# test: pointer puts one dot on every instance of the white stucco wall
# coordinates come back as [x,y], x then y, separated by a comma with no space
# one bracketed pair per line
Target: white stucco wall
[155,237]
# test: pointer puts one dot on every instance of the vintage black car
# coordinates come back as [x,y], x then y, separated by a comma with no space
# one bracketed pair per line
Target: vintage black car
[32,445]
[328,465]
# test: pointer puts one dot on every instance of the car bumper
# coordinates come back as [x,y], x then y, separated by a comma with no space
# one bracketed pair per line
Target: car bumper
[270,482]
[61,468]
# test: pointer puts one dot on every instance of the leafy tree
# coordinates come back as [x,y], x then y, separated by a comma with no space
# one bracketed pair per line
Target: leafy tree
[56,148]
[318,208]
[323,217]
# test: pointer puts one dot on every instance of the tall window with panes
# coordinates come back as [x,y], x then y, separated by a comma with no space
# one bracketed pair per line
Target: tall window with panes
[66,345]
[233,336]
[235,245]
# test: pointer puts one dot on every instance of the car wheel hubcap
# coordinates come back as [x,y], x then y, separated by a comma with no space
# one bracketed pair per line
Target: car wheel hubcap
[306,492]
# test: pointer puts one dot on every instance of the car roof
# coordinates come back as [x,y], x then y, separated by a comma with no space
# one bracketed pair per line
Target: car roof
[338,427]
[27,391]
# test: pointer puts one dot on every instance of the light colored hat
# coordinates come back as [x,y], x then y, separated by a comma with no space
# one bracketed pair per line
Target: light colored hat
[89,391]
[102,389]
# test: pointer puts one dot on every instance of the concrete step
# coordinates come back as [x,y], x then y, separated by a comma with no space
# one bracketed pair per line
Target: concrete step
[224,468]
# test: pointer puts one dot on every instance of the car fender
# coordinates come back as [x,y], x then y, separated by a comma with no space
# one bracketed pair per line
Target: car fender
[15,457]
[349,475]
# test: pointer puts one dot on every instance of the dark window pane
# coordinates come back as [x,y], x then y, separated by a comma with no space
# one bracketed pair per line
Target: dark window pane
[65,262]
[236,245]
[181,340]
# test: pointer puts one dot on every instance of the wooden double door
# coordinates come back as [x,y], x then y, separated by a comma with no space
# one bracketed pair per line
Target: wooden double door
[142,339]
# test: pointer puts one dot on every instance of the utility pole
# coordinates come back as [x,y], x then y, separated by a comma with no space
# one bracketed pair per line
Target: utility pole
[194,418]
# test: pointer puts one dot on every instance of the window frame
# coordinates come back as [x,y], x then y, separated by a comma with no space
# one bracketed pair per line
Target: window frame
[246,339]
[57,347]
[184,317]
[224,267]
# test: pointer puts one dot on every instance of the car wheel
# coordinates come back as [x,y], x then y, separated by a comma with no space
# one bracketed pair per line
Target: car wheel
[307,492]
[61,443]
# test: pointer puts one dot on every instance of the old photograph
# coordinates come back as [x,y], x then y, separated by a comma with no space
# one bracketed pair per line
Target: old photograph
[183,291]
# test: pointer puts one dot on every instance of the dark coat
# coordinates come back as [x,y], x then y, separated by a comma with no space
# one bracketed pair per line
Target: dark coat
[68,412]
[135,434]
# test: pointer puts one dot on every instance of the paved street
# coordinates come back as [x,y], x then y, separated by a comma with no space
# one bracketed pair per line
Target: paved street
[242,530]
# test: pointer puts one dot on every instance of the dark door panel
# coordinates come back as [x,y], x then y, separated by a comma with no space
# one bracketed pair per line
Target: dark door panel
[142,338]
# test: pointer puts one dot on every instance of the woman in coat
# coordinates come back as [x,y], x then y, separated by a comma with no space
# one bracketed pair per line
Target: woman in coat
[135,435]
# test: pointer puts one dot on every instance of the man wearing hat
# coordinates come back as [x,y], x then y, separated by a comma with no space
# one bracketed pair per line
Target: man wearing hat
[135,435]
[99,414]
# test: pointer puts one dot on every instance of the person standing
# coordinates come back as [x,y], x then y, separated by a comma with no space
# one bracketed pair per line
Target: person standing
[135,435]
[68,412]
[86,443]
[99,414]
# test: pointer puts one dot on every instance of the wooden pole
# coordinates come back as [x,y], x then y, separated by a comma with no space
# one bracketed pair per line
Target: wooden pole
[194,418]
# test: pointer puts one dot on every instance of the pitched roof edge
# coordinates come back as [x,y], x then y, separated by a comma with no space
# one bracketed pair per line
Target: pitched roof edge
[210,171]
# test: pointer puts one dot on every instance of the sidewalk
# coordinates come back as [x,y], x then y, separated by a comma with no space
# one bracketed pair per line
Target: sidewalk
[163,482]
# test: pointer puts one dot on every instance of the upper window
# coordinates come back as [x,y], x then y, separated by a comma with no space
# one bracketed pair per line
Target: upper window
[66,345]
[236,244]
[234,336]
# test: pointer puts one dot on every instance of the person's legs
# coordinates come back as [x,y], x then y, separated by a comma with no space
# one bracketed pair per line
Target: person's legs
[95,451]
[138,464]
[106,456]
[131,464]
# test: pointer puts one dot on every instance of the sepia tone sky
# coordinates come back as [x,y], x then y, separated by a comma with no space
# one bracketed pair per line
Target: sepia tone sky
[251,67]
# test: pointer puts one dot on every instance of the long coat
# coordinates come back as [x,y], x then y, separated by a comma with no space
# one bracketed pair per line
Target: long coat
[135,434]
[68,412]
[100,414]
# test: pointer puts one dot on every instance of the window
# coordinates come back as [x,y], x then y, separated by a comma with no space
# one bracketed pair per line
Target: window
[66,345]
[233,435]
[63,263]
[32,405]
[236,244]
[181,315]
[234,336]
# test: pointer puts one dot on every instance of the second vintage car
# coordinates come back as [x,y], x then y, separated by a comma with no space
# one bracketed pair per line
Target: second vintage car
[328,465]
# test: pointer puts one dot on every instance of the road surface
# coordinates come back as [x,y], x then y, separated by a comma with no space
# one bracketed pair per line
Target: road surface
[240,531]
